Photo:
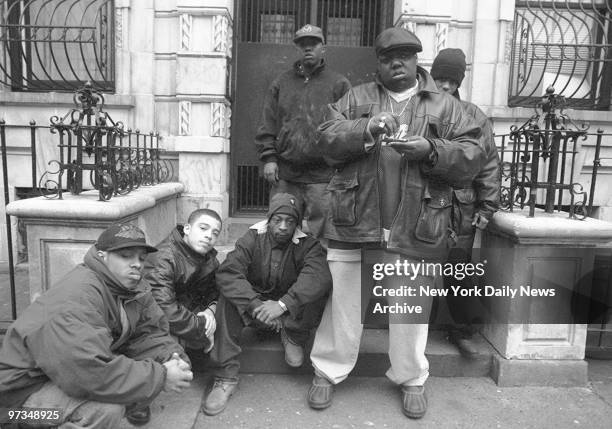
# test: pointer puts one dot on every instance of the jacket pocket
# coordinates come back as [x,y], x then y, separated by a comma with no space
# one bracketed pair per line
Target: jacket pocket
[343,190]
[434,218]
[463,210]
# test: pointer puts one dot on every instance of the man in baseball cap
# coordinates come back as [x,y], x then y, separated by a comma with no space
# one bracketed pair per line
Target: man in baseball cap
[97,342]
[292,110]
[400,146]
[275,279]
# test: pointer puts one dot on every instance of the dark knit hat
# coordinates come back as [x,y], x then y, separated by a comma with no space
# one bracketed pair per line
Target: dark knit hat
[396,37]
[309,31]
[122,236]
[288,204]
[449,64]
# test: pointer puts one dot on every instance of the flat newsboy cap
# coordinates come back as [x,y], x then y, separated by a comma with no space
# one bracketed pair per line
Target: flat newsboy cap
[396,37]
[121,236]
[309,31]
[283,203]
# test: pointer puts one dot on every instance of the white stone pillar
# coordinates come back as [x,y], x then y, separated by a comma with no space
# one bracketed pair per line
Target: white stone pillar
[193,111]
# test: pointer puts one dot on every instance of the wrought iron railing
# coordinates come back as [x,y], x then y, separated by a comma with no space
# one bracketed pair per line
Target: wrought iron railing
[57,45]
[539,164]
[565,44]
[117,160]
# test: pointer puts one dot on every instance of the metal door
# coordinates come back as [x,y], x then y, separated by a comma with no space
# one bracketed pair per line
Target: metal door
[264,49]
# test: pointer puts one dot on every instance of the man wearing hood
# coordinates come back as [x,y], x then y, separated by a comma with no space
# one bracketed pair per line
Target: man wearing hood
[182,279]
[276,278]
[398,147]
[96,342]
[293,108]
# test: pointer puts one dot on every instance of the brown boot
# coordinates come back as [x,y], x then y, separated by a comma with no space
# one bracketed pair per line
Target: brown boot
[216,401]
[321,393]
[414,401]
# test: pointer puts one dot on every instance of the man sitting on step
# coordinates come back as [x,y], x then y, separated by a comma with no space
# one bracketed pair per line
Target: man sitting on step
[276,279]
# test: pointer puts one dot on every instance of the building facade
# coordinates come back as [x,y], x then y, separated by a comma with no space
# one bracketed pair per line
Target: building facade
[196,70]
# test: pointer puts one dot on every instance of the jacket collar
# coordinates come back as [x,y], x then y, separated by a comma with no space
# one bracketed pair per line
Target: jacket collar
[299,68]
[426,82]
[177,238]
[262,228]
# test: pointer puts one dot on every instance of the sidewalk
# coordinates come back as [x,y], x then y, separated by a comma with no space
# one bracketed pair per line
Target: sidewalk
[279,401]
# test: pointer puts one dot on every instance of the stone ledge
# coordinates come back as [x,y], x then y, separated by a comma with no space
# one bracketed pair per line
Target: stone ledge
[58,99]
[550,228]
[86,206]
[557,373]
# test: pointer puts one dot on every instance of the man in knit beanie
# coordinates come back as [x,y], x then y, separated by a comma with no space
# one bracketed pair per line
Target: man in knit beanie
[276,279]
[473,206]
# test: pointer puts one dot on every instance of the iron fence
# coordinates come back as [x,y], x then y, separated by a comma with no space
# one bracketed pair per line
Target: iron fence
[57,44]
[85,149]
[566,44]
[539,165]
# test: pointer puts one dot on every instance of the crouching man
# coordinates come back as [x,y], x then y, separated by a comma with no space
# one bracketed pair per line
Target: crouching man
[94,343]
[182,278]
[277,278]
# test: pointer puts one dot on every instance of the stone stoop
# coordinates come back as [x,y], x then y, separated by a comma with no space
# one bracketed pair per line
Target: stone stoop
[267,356]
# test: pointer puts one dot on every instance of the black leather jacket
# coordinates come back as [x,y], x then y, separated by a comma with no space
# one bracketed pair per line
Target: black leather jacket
[421,222]
[183,284]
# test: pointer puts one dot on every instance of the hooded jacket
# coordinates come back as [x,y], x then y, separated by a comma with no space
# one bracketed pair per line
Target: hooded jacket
[293,108]
[72,335]
[421,223]
[183,284]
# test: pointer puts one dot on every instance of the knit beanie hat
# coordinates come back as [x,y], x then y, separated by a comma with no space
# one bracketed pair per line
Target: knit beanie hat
[449,64]
[287,204]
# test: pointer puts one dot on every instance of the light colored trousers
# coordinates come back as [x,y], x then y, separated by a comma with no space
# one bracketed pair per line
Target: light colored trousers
[77,413]
[336,344]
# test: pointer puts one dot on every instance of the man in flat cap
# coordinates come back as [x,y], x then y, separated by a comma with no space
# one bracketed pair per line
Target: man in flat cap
[293,109]
[95,343]
[473,206]
[399,146]
[275,279]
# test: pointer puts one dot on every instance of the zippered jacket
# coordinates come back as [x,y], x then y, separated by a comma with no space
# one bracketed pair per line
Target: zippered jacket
[183,284]
[421,223]
[74,335]
[293,108]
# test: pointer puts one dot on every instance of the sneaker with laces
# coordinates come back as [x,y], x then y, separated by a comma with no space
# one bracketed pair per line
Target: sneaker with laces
[216,401]
[294,353]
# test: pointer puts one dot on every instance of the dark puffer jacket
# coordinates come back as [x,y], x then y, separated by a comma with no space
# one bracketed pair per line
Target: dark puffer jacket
[244,276]
[183,284]
[70,335]
[293,109]
[421,226]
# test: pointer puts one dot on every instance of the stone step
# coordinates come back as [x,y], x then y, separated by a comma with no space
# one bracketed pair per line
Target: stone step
[267,356]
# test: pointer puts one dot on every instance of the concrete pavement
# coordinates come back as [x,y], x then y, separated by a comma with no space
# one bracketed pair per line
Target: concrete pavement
[279,401]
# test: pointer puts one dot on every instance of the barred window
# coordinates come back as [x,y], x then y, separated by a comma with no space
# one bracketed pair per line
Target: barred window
[56,45]
[564,44]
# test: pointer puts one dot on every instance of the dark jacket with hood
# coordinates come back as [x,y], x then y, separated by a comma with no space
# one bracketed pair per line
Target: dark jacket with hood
[293,108]
[421,225]
[72,335]
[244,277]
[183,284]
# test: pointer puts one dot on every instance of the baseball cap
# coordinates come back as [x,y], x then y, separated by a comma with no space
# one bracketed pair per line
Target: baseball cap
[121,236]
[309,31]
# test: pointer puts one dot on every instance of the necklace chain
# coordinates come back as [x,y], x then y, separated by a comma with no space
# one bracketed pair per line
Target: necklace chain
[407,101]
